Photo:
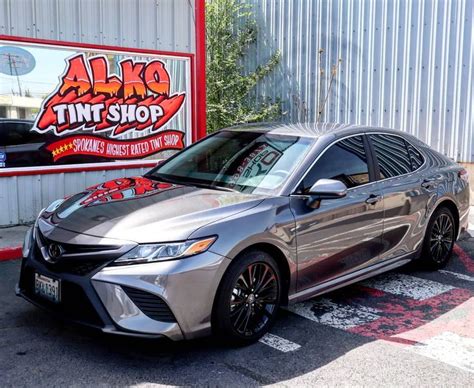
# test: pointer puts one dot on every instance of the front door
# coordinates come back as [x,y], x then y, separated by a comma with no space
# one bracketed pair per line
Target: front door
[345,234]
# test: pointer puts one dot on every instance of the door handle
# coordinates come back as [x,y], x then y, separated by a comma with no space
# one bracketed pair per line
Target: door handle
[373,199]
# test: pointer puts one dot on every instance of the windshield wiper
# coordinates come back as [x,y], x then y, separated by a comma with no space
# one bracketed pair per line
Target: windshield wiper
[214,187]
[223,188]
[167,180]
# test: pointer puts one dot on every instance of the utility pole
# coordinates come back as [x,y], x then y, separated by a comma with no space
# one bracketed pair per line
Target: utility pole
[12,63]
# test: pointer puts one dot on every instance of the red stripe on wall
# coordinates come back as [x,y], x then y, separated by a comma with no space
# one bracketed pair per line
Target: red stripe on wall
[73,168]
[200,11]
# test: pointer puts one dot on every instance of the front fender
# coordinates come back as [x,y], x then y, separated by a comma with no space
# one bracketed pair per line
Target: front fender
[271,222]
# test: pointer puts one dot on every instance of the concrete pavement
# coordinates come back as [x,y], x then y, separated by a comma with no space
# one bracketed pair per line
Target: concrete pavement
[12,236]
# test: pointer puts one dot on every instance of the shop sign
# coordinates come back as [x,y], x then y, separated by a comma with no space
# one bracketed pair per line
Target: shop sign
[93,112]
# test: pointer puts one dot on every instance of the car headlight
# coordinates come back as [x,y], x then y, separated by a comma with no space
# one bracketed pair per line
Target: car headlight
[148,253]
[27,243]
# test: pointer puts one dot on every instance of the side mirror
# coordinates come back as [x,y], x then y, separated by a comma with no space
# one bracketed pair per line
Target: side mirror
[326,189]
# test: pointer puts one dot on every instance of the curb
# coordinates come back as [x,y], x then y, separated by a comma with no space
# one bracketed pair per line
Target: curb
[10,253]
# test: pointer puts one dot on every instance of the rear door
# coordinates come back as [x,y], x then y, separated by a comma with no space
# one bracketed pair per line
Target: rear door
[405,195]
[344,234]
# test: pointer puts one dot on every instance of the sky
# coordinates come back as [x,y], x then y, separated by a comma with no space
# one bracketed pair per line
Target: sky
[50,64]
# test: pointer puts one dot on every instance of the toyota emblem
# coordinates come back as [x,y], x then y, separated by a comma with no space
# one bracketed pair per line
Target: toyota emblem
[54,252]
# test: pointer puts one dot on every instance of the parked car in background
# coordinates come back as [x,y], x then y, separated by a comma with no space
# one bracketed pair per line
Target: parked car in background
[20,146]
[248,219]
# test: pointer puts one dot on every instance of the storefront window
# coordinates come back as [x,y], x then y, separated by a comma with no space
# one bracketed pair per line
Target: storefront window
[63,105]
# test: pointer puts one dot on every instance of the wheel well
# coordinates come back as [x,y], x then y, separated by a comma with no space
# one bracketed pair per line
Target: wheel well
[283,266]
[282,262]
[454,211]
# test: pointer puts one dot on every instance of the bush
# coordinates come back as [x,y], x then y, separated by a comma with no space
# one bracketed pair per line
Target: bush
[231,30]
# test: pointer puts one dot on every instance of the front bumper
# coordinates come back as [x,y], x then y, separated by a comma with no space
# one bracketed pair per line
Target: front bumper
[170,298]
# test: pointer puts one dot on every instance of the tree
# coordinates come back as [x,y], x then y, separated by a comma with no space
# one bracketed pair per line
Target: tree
[231,30]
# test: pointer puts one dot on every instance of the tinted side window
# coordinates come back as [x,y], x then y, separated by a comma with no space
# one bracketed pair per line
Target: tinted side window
[416,157]
[392,155]
[345,161]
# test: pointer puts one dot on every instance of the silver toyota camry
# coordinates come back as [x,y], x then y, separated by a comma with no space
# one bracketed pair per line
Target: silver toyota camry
[223,233]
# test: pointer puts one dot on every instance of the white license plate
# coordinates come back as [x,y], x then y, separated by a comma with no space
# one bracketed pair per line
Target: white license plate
[48,288]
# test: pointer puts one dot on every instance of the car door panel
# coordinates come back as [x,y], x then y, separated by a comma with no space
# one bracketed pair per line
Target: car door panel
[341,236]
[345,234]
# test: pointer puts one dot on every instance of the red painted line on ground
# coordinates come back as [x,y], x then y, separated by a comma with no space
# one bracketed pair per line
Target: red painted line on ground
[402,341]
[464,258]
[373,292]
[403,314]
[10,253]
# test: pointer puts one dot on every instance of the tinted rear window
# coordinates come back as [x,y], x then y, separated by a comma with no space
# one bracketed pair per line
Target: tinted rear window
[416,157]
[392,155]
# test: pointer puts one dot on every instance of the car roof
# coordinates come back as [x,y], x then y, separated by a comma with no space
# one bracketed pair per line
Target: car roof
[23,121]
[312,130]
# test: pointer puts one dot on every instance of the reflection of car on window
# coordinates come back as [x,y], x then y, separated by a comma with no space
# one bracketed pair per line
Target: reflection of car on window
[22,147]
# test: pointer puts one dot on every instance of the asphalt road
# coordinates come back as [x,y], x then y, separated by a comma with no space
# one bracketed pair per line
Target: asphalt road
[408,327]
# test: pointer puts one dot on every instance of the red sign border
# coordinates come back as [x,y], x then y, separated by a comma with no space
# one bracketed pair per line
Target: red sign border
[197,63]
[107,140]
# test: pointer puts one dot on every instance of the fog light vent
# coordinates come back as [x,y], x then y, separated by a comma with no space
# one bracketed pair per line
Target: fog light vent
[151,305]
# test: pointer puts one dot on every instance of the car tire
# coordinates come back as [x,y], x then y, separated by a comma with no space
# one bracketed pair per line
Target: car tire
[439,240]
[246,305]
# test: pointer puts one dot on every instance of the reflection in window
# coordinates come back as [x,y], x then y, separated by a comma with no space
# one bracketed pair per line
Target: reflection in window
[392,155]
[415,156]
[248,162]
[345,161]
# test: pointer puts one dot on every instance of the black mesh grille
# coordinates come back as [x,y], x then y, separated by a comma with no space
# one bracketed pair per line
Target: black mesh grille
[74,302]
[151,305]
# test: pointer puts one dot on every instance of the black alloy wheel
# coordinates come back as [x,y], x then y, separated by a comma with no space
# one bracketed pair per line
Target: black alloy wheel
[254,299]
[249,298]
[442,237]
[439,239]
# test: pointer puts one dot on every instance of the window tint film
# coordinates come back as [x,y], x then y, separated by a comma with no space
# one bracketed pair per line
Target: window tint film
[392,155]
[416,158]
[248,162]
[345,161]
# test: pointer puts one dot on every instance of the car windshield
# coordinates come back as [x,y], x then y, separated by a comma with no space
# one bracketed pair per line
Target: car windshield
[247,162]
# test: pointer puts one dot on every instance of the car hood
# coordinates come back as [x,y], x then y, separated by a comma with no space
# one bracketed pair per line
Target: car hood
[143,210]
